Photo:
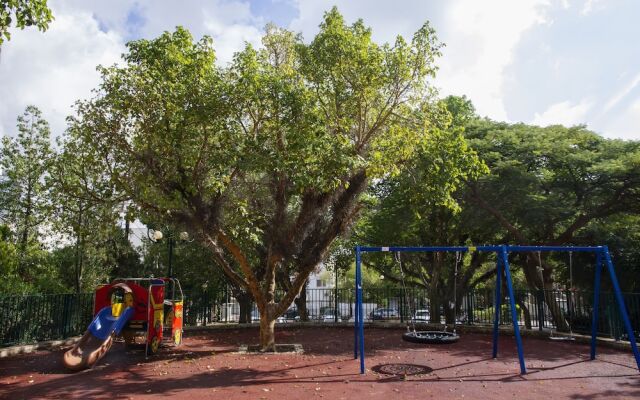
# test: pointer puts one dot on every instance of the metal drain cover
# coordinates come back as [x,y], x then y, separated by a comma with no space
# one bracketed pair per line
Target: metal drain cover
[402,369]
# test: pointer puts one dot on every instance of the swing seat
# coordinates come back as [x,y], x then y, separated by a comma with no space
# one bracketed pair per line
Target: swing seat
[431,337]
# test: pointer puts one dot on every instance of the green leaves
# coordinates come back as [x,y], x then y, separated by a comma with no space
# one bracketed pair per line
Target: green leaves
[366,92]
[26,160]
[175,127]
[24,13]
[264,160]
[553,181]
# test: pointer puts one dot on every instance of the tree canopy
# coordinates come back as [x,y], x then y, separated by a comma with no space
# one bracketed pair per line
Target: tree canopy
[263,161]
[546,186]
[23,13]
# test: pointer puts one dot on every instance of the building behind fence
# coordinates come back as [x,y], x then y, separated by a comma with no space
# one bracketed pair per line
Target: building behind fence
[32,318]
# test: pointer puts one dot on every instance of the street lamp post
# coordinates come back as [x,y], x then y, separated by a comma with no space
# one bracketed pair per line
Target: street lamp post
[170,256]
[335,309]
[157,236]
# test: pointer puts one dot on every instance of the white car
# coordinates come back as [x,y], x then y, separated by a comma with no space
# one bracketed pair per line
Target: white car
[329,315]
[255,317]
[421,316]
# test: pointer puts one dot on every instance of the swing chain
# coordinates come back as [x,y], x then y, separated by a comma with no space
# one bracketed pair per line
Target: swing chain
[397,258]
[539,268]
[455,290]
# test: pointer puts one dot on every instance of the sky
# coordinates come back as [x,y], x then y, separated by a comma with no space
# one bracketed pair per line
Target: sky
[535,61]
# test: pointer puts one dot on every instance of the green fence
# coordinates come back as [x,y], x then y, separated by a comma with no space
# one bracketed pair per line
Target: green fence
[27,319]
[32,318]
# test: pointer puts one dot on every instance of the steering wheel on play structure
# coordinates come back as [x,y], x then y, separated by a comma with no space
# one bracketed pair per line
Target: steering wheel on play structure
[121,296]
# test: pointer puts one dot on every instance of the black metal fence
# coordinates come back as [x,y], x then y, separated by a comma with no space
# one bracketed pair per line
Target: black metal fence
[28,319]
[32,318]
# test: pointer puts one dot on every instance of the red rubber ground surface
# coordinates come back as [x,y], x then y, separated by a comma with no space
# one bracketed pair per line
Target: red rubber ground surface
[207,367]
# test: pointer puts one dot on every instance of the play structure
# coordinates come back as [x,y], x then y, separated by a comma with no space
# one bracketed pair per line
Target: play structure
[149,309]
[502,267]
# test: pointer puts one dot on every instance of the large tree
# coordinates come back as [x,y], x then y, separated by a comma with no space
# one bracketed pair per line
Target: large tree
[422,206]
[264,161]
[547,185]
[85,215]
[24,194]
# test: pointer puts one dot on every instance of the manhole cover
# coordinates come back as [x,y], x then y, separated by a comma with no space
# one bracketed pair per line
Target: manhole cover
[280,348]
[401,369]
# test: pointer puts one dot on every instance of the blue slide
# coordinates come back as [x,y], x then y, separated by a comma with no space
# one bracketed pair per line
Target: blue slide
[97,340]
[104,324]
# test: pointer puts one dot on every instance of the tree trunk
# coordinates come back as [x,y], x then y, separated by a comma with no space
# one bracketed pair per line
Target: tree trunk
[434,307]
[556,311]
[78,272]
[267,328]
[79,253]
[245,300]
[525,312]
[543,280]
[24,239]
[435,298]
[301,304]
[449,313]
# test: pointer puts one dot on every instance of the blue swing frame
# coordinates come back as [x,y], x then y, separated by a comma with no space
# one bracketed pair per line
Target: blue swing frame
[502,264]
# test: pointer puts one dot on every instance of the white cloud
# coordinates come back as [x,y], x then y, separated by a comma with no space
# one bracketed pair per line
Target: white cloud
[481,38]
[591,6]
[230,23]
[624,124]
[489,47]
[54,69]
[230,38]
[624,92]
[387,18]
[564,113]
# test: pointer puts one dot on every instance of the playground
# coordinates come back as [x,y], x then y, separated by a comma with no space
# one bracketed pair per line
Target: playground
[193,207]
[207,365]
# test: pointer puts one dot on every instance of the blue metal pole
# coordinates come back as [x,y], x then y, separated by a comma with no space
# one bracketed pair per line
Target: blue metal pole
[451,249]
[510,249]
[621,306]
[361,316]
[514,311]
[575,249]
[596,304]
[356,316]
[497,305]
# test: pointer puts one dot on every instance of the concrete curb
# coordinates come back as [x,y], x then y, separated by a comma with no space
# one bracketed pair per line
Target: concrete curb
[30,348]
[55,344]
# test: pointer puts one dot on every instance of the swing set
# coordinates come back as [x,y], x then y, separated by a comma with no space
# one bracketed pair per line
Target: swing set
[603,258]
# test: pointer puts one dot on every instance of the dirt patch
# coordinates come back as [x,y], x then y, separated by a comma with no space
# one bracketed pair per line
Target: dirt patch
[279,349]
[208,366]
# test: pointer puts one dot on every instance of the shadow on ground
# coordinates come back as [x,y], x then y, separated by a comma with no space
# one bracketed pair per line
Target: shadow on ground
[208,361]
